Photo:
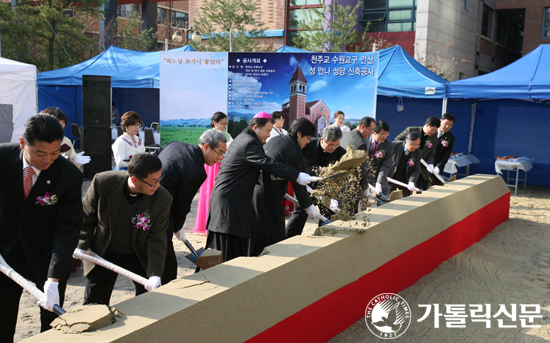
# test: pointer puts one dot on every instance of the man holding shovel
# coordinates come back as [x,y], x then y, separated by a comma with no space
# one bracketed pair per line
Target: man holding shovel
[125,222]
[40,217]
[405,164]
[184,173]
[319,152]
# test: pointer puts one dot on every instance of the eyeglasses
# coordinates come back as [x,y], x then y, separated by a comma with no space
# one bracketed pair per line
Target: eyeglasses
[155,183]
[414,146]
[220,153]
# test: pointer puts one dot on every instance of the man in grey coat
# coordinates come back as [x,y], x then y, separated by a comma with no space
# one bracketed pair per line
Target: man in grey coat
[125,222]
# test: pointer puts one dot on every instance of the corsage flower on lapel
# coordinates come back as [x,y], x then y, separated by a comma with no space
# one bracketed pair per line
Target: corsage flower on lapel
[429,144]
[379,154]
[410,162]
[47,199]
[444,143]
[142,221]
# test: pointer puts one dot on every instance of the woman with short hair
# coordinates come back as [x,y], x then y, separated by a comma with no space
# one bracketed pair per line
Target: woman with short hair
[129,143]
[339,118]
[278,125]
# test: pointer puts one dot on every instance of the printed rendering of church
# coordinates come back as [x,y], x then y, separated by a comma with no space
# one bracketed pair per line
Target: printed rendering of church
[316,111]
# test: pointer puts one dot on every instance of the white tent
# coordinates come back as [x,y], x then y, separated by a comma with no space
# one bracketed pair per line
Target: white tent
[17,97]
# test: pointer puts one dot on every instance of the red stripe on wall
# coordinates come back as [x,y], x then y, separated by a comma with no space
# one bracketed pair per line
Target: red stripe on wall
[334,313]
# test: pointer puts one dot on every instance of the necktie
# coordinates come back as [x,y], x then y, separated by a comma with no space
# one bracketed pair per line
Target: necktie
[374,146]
[407,152]
[27,180]
[439,134]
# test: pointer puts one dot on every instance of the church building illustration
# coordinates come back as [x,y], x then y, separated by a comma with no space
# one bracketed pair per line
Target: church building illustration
[316,111]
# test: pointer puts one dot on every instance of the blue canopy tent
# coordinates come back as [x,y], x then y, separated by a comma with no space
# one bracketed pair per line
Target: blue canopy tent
[510,115]
[422,93]
[134,80]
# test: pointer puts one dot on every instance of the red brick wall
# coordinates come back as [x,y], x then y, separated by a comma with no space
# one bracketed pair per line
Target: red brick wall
[532,36]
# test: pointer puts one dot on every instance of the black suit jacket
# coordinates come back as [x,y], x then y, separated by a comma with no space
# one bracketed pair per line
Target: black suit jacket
[48,234]
[268,213]
[428,150]
[445,145]
[413,171]
[229,211]
[183,174]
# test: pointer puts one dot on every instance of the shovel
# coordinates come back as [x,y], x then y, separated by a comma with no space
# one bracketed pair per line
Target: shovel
[436,175]
[340,175]
[100,261]
[402,184]
[297,203]
[28,286]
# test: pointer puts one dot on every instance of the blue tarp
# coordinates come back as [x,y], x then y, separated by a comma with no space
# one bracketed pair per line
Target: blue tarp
[526,78]
[401,75]
[286,48]
[134,79]
[507,122]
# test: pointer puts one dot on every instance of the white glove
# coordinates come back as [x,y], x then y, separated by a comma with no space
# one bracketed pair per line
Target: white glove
[436,170]
[81,159]
[51,295]
[303,179]
[430,168]
[411,186]
[367,193]
[334,206]
[378,188]
[154,282]
[180,234]
[312,211]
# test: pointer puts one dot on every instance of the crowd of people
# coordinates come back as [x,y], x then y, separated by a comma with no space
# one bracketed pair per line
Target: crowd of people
[129,215]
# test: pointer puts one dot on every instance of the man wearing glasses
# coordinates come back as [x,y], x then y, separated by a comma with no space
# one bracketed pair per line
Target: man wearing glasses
[379,151]
[319,152]
[184,173]
[125,221]
[405,164]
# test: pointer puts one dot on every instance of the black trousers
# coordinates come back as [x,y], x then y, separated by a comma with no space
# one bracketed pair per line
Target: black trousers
[10,293]
[423,184]
[170,263]
[101,281]
[296,222]
[231,246]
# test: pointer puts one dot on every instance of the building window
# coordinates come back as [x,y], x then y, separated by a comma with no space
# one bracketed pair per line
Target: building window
[546,23]
[179,19]
[389,15]
[297,12]
[124,11]
[487,22]
[161,15]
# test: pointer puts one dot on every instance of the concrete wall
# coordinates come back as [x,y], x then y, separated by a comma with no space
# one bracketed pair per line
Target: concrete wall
[440,22]
[310,288]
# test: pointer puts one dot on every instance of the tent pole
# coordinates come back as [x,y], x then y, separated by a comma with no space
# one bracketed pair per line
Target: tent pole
[444,106]
[472,120]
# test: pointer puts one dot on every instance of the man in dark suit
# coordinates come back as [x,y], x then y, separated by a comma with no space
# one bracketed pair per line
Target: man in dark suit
[125,221]
[268,213]
[379,151]
[359,135]
[445,144]
[229,212]
[183,174]
[428,142]
[405,164]
[40,218]
[319,152]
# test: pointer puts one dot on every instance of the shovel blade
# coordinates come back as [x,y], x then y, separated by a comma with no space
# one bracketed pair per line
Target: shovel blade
[191,257]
